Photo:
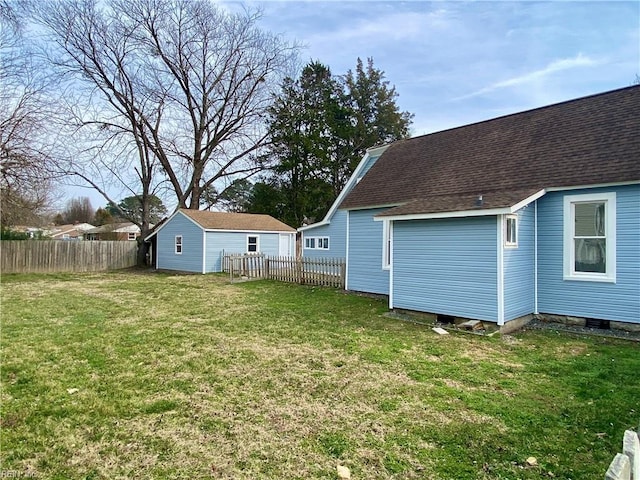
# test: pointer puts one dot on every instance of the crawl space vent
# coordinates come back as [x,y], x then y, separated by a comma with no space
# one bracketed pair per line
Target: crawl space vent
[444,319]
[595,323]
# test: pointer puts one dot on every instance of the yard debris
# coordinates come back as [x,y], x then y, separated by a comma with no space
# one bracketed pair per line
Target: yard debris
[440,331]
[343,472]
[471,325]
[71,391]
[532,461]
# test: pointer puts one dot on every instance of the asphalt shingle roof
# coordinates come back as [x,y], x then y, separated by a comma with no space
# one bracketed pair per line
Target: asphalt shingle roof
[588,141]
[236,221]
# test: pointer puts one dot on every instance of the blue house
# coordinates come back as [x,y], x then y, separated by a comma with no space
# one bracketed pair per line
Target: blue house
[196,241]
[535,213]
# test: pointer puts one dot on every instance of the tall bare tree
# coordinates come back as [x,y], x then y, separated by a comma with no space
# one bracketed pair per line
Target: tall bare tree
[25,105]
[187,81]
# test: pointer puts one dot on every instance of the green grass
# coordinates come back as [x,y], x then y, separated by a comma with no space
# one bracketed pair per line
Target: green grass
[191,377]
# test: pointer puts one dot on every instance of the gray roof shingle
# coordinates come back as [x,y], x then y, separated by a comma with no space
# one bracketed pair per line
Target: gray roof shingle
[588,141]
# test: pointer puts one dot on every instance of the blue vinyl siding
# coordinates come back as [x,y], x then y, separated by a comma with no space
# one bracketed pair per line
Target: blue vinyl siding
[220,243]
[191,258]
[618,301]
[337,233]
[364,268]
[519,268]
[367,166]
[446,266]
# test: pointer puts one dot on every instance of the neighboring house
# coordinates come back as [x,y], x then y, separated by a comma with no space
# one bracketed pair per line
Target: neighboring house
[196,241]
[114,231]
[532,213]
[69,232]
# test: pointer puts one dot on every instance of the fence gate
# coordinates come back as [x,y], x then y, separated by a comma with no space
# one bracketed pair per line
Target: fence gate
[328,272]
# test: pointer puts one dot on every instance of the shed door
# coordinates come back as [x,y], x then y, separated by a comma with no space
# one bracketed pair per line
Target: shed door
[285,246]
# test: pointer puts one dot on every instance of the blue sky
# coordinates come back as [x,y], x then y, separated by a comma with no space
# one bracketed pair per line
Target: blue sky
[455,62]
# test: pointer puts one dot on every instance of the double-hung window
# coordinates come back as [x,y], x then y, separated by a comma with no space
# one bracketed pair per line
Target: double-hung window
[253,244]
[590,237]
[178,245]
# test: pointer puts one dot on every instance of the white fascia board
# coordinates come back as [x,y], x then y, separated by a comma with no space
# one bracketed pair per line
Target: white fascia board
[168,220]
[353,179]
[247,231]
[429,216]
[314,225]
[465,213]
[597,185]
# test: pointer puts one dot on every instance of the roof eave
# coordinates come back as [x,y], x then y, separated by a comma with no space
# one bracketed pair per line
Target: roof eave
[478,212]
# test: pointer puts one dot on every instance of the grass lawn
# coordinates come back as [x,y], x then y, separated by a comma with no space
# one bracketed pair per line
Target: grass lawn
[134,375]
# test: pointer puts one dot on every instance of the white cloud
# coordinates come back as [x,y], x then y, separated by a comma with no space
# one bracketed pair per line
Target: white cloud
[556,66]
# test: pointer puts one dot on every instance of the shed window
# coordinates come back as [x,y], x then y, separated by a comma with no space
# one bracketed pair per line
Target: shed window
[589,237]
[252,244]
[132,236]
[178,245]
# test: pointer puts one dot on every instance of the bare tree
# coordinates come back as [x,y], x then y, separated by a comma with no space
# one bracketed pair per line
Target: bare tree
[25,105]
[78,210]
[187,81]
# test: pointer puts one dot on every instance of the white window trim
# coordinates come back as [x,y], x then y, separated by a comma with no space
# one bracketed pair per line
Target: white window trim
[257,237]
[609,200]
[175,245]
[387,245]
[507,243]
[129,236]
[317,242]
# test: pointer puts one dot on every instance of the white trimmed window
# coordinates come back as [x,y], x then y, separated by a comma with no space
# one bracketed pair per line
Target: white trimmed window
[178,245]
[253,244]
[316,243]
[590,237]
[511,231]
[132,236]
[387,245]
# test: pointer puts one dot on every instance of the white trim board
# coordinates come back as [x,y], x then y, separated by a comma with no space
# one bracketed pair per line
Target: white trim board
[352,180]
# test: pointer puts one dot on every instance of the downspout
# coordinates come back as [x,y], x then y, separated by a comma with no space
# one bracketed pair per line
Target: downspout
[204,251]
[535,257]
[346,257]
[390,232]
[500,267]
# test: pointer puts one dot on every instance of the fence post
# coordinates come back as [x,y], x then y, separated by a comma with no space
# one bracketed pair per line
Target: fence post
[631,448]
[620,468]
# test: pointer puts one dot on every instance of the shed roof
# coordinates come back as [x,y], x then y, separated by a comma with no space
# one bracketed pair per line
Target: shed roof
[122,227]
[589,141]
[236,221]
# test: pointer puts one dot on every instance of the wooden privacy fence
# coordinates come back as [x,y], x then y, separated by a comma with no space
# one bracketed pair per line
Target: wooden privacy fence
[51,256]
[328,272]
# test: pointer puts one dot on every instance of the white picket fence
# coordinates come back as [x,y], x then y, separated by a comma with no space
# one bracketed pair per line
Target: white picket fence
[626,465]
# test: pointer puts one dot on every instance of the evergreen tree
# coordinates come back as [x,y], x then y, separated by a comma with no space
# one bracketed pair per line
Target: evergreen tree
[378,119]
[320,127]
